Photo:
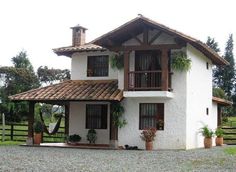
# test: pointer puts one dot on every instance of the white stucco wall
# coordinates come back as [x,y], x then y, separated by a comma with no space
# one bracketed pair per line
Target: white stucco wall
[174,134]
[199,97]
[79,66]
[77,123]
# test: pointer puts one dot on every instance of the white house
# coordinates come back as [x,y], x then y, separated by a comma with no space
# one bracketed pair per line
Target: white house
[147,87]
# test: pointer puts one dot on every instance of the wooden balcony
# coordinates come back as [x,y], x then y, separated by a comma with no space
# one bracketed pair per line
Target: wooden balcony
[147,80]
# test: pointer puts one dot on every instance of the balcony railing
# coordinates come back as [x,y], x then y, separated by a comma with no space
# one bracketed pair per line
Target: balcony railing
[146,80]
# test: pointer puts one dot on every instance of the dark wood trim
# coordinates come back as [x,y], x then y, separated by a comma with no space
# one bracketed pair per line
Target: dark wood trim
[136,38]
[67,118]
[165,72]
[126,70]
[31,120]
[155,37]
[145,47]
[219,115]
[145,36]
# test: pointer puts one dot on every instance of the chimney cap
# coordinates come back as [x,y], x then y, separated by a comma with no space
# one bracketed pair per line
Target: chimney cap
[79,27]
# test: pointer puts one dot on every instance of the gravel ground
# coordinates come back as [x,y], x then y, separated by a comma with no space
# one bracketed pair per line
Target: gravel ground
[17,158]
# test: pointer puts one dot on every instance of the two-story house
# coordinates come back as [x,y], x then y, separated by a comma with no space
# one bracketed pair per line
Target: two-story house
[147,87]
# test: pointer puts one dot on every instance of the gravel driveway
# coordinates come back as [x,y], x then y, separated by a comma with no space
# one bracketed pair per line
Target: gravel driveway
[17,158]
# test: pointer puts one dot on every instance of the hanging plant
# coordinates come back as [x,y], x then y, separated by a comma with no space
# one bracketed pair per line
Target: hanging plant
[117,115]
[180,61]
[117,61]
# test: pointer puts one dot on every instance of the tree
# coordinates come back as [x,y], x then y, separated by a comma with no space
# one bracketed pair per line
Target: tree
[50,76]
[17,79]
[217,70]
[228,74]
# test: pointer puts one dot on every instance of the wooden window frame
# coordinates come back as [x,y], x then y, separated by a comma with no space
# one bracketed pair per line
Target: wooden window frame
[159,116]
[91,68]
[102,115]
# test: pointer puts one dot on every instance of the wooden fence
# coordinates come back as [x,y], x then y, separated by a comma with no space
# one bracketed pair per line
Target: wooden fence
[19,132]
[229,135]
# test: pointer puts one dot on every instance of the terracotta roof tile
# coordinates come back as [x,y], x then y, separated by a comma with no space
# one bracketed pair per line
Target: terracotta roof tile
[74,90]
[68,51]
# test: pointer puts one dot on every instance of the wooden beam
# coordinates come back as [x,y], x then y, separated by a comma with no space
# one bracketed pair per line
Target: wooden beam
[145,36]
[126,70]
[155,37]
[67,117]
[31,120]
[164,68]
[136,38]
[145,47]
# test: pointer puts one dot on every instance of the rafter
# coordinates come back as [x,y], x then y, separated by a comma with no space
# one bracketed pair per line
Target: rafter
[136,38]
[155,37]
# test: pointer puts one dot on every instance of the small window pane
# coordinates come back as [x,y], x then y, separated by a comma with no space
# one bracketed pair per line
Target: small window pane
[98,66]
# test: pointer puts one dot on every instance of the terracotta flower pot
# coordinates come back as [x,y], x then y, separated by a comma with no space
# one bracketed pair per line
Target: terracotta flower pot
[149,145]
[207,142]
[37,138]
[219,141]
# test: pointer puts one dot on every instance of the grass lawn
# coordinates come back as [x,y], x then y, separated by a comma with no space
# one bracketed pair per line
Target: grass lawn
[230,150]
[10,143]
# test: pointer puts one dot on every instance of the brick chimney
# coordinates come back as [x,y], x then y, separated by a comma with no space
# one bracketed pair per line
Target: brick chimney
[78,35]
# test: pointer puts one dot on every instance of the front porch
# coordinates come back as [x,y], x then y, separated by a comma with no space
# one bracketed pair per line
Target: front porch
[87,106]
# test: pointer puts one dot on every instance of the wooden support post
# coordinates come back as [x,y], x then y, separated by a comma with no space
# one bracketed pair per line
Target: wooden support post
[126,70]
[12,130]
[30,123]
[67,116]
[164,70]
[113,131]
[219,115]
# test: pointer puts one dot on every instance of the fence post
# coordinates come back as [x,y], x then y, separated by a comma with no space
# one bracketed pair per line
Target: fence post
[12,130]
[3,127]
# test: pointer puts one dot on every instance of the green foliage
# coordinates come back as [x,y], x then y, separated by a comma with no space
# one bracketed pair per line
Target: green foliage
[10,143]
[117,114]
[117,61]
[92,136]
[219,132]
[213,44]
[50,76]
[74,138]
[206,132]
[38,127]
[16,79]
[180,61]
[218,92]
[230,150]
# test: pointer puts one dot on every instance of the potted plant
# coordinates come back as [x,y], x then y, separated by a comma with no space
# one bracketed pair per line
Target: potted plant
[38,129]
[92,136]
[219,136]
[73,139]
[180,61]
[208,134]
[148,135]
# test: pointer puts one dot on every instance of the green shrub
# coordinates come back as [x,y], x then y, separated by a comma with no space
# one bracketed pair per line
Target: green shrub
[38,127]
[218,92]
[92,136]
[206,132]
[74,138]
[180,61]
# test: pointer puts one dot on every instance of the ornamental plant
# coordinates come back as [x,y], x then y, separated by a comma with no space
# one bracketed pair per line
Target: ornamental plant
[92,136]
[206,132]
[38,127]
[180,61]
[219,132]
[148,135]
[74,138]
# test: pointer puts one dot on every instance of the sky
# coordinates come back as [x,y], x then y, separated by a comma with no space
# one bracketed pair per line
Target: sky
[38,26]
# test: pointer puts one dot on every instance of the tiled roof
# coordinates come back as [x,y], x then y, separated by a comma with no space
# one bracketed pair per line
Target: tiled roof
[134,24]
[74,90]
[67,51]
[221,101]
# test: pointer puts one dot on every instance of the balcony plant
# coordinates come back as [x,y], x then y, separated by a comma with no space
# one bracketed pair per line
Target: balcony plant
[92,136]
[117,115]
[148,135]
[117,61]
[38,129]
[219,136]
[208,134]
[180,61]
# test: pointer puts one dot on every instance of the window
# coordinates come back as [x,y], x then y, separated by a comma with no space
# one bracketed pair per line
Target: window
[207,111]
[207,65]
[97,66]
[96,116]
[151,115]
